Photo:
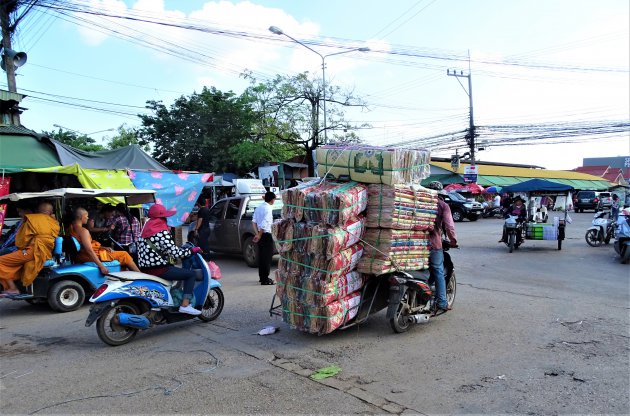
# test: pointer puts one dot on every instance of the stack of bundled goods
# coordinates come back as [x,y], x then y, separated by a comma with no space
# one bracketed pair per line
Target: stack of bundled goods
[318,240]
[370,164]
[387,250]
[332,203]
[401,207]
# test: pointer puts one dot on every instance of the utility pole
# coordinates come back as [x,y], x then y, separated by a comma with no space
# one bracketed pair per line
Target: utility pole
[470,137]
[5,11]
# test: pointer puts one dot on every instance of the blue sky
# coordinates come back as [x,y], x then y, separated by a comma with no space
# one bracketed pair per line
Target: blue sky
[407,98]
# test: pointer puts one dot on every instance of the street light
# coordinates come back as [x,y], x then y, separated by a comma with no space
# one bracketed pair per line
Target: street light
[277,31]
[84,134]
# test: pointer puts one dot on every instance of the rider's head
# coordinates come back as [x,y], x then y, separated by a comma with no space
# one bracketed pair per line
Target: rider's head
[518,201]
[81,214]
[437,186]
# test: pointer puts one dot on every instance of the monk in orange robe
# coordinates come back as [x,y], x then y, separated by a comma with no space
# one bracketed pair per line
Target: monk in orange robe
[35,241]
[91,251]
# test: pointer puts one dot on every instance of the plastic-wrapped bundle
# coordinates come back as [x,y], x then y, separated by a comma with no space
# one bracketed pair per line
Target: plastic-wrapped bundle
[324,202]
[311,266]
[373,265]
[382,243]
[317,292]
[401,207]
[320,320]
[317,239]
[370,164]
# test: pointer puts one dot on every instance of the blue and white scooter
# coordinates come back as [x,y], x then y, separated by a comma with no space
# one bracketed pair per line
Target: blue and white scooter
[130,301]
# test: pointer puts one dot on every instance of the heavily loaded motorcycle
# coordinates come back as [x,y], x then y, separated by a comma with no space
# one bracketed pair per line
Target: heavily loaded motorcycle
[514,232]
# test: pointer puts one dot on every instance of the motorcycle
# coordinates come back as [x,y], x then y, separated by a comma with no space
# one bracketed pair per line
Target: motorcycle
[411,294]
[130,301]
[622,238]
[514,232]
[601,231]
[492,212]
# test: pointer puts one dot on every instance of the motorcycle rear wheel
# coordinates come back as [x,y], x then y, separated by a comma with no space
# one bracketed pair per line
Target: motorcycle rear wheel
[400,322]
[592,238]
[213,305]
[108,329]
[451,290]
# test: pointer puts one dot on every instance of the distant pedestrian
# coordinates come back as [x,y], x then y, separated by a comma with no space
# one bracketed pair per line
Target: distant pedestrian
[614,209]
[263,219]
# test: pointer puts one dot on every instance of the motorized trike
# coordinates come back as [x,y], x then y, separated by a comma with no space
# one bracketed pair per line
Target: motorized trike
[61,283]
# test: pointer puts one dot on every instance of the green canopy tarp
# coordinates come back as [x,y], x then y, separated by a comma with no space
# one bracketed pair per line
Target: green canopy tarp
[19,152]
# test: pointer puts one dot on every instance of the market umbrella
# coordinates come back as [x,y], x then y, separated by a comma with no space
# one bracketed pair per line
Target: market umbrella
[454,187]
[473,188]
[493,190]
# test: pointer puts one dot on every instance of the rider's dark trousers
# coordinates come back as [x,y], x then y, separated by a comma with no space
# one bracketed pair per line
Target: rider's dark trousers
[187,276]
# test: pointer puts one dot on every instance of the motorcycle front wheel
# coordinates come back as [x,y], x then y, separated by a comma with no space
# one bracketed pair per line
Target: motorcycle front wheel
[108,328]
[511,242]
[400,322]
[213,305]
[451,290]
[592,238]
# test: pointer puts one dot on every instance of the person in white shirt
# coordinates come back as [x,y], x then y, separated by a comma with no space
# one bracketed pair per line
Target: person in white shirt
[262,221]
[496,202]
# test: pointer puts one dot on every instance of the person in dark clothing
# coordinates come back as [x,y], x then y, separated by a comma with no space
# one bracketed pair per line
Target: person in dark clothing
[517,209]
[202,229]
[263,220]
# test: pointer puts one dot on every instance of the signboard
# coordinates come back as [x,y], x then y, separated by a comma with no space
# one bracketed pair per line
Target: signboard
[249,186]
[470,174]
[4,190]
[455,162]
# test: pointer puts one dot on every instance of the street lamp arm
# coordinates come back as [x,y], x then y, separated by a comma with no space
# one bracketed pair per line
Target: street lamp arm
[348,51]
[277,31]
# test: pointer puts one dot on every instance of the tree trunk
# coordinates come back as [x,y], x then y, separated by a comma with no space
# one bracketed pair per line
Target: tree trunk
[310,162]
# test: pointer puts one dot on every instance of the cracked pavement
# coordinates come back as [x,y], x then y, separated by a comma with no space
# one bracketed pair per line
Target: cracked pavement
[538,331]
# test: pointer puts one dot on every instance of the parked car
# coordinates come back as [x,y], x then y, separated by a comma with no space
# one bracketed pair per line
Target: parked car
[586,200]
[462,208]
[231,229]
[605,200]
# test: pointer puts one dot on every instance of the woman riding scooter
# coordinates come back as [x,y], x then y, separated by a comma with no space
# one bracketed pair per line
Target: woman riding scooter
[156,247]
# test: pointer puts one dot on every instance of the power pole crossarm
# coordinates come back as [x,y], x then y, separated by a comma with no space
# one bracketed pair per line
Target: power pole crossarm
[471,126]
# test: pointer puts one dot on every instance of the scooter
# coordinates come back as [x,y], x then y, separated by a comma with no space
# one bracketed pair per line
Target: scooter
[411,295]
[622,238]
[130,301]
[492,212]
[601,231]
[514,235]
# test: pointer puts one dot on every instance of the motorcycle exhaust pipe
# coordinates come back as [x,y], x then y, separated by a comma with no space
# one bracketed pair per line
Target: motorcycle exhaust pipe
[133,321]
[419,318]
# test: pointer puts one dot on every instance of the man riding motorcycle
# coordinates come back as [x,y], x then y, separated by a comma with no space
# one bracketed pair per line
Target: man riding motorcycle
[517,209]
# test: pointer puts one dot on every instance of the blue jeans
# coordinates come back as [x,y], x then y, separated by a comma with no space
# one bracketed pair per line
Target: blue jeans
[436,267]
[187,276]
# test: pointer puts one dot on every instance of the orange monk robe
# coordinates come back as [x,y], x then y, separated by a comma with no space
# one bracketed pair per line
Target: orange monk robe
[38,232]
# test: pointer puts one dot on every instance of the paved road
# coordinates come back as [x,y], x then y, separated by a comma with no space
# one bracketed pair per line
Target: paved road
[538,331]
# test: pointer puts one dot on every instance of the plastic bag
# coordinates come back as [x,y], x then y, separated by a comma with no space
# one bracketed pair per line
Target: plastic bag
[215,271]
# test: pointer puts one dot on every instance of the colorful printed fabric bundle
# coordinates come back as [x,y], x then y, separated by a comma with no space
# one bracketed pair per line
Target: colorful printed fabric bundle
[320,320]
[385,249]
[317,239]
[326,202]
[315,292]
[401,207]
[309,266]
[370,164]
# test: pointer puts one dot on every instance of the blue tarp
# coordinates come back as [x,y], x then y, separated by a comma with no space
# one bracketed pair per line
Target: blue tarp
[537,185]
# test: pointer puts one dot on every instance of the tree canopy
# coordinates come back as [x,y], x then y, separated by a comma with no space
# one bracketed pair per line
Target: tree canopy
[75,139]
[289,111]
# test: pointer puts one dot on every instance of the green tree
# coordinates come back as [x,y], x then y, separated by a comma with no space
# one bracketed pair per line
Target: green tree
[288,109]
[199,131]
[126,136]
[74,139]
[252,152]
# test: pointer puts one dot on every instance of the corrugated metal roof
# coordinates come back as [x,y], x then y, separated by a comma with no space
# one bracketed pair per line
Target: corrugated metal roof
[11,96]
[521,172]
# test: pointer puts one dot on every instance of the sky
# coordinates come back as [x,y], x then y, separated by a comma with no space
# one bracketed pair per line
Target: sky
[531,62]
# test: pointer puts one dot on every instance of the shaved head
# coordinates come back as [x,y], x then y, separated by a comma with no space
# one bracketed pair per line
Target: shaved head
[45,208]
[79,213]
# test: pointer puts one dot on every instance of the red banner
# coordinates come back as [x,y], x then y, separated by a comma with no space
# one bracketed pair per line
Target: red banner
[4,190]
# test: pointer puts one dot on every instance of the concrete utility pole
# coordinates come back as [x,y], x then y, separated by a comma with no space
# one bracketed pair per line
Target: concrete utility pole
[470,137]
[5,10]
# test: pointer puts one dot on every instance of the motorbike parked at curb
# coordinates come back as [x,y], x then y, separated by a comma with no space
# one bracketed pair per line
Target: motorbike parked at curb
[130,301]
[602,230]
[493,212]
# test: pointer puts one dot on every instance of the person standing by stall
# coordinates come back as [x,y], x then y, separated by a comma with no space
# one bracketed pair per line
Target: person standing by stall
[262,221]
[202,229]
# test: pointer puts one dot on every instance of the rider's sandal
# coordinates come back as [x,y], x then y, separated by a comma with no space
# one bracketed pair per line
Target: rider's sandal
[441,311]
